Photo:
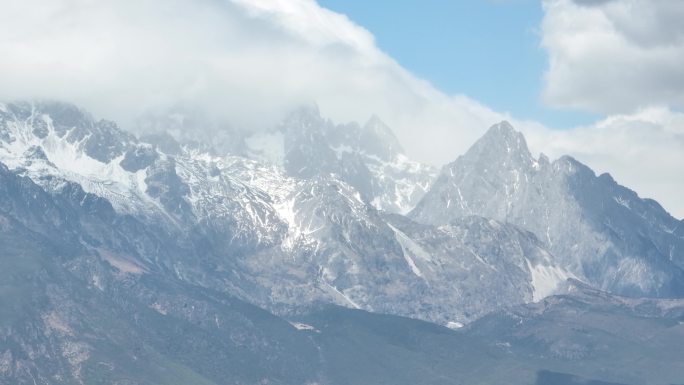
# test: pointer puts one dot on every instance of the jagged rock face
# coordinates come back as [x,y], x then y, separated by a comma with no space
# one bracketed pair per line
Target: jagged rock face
[305,146]
[101,140]
[140,181]
[250,229]
[123,263]
[96,295]
[138,158]
[679,230]
[163,183]
[340,249]
[506,264]
[246,228]
[74,314]
[164,142]
[367,157]
[86,313]
[599,230]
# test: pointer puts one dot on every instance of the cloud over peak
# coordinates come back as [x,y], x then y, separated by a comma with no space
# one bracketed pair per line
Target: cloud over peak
[250,62]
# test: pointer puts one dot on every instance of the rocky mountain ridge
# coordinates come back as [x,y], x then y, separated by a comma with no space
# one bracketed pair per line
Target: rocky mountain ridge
[118,252]
[251,230]
[600,231]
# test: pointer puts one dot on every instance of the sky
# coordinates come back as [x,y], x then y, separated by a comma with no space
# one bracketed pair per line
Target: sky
[600,80]
[488,50]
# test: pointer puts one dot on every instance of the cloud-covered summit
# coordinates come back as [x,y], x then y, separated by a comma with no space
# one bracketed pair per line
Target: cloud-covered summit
[248,61]
[251,62]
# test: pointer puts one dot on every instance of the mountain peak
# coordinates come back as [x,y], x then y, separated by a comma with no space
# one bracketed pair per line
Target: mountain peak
[500,142]
[64,116]
[503,132]
[375,121]
[503,126]
[379,139]
[304,119]
[306,111]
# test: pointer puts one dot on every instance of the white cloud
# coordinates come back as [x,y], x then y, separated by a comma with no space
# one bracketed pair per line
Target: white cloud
[251,61]
[614,56]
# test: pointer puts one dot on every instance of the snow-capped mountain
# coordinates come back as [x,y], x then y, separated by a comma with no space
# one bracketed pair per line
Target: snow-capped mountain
[283,242]
[367,157]
[305,145]
[340,249]
[141,261]
[600,231]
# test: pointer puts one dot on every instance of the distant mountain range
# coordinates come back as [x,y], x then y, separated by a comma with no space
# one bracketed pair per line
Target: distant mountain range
[600,231]
[255,258]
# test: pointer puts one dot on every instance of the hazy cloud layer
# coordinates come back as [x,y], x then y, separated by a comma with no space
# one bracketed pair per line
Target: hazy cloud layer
[251,61]
[614,56]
